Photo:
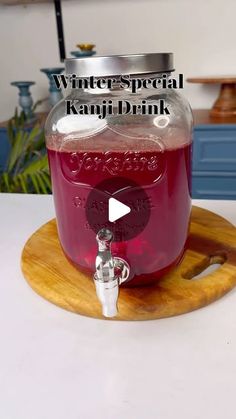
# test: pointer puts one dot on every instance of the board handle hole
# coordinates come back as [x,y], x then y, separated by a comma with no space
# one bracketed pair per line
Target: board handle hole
[208,266]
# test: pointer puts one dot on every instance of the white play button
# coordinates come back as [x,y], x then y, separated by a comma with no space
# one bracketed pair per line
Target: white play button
[120,205]
[116,210]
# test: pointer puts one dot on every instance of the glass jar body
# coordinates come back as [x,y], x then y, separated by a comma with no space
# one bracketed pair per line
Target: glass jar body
[151,152]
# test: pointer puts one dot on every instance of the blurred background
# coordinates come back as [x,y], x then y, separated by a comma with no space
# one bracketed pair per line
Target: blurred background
[201,34]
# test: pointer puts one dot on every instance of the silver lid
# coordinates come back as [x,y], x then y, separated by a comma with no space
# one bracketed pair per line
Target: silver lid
[115,65]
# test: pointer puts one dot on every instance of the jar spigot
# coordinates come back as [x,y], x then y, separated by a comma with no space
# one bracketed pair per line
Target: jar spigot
[110,273]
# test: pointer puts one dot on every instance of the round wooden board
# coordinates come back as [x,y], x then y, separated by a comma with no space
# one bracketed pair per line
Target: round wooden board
[212,239]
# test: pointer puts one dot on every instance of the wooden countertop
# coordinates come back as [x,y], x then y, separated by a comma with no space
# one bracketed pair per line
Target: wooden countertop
[213,80]
[202,116]
[40,116]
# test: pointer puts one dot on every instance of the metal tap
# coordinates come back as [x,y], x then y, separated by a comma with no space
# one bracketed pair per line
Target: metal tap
[110,273]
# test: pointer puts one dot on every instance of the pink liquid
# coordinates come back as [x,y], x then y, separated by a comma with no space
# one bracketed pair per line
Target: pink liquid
[165,177]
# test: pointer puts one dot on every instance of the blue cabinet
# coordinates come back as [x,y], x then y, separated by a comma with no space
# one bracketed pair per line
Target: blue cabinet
[4,141]
[4,148]
[214,161]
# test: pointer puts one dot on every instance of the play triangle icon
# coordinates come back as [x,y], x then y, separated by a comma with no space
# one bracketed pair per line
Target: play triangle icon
[117,210]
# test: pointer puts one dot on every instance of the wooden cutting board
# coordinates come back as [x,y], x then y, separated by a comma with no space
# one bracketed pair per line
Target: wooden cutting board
[212,239]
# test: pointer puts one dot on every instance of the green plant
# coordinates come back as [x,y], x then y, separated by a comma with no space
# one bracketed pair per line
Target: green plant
[27,166]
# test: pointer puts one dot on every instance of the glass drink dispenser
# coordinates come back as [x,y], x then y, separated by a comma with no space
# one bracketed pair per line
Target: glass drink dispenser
[138,162]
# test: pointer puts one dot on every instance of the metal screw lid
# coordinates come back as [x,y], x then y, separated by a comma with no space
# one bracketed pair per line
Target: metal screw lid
[115,65]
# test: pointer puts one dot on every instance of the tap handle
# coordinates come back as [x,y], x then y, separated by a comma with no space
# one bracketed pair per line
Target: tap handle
[104,239]
[110,273]
[104,261]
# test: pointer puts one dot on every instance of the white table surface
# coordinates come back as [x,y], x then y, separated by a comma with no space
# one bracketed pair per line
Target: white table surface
[59,365]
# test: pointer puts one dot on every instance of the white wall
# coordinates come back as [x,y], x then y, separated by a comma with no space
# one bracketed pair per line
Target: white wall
[201,33]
